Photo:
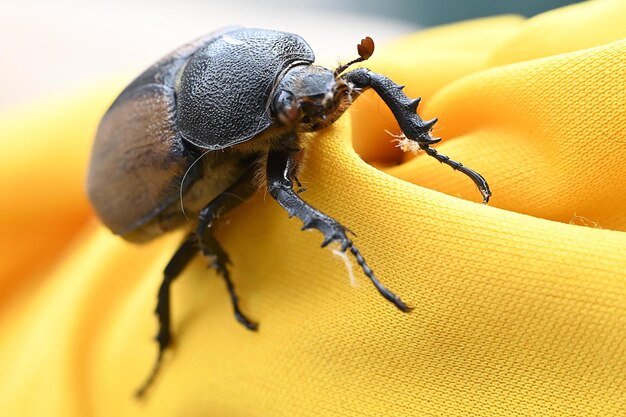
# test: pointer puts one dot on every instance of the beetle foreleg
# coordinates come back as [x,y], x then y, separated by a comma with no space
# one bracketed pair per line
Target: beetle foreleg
[280,167]
[175,266]
[404,110]
[211,248]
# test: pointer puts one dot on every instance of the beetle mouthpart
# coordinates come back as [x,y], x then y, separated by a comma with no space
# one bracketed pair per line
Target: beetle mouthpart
[329,98]
[347,90]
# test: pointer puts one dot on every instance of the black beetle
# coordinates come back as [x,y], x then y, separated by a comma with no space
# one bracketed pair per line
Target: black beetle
[193,127]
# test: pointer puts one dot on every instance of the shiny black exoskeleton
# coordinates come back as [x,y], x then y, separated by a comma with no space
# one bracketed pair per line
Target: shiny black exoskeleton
[183,139]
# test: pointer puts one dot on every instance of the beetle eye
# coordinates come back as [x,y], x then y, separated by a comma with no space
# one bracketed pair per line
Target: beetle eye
[286,108]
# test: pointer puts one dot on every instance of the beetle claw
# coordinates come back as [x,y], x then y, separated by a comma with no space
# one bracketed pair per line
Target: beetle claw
[248,324]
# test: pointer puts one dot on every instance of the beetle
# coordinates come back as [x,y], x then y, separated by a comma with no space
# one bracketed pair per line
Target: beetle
[194,126]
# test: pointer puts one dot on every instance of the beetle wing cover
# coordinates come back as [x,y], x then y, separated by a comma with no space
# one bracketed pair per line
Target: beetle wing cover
[226,87]
[138,159]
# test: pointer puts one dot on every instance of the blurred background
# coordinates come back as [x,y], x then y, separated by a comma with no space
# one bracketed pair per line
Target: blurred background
[55,46]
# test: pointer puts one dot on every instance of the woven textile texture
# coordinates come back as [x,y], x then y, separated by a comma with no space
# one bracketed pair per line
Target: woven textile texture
[519,306]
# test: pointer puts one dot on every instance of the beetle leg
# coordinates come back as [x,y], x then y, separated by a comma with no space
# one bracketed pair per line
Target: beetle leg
[175,266]
[280,168]
[414,128]
[202,240]
[211,248]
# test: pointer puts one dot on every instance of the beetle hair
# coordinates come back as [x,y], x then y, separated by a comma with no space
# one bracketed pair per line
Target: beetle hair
[260,164]
[351,89]
[182,183]
[403,143]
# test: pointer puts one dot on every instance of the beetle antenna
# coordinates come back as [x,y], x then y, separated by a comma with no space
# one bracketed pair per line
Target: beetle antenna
[182,183]
[365,50]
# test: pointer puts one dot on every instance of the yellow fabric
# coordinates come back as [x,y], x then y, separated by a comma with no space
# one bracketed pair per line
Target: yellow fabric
[519,309]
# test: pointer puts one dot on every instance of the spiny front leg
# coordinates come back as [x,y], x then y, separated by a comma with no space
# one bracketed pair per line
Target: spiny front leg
[414,128]
[280,167]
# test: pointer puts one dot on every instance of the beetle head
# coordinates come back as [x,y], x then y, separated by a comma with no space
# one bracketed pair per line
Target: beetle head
[310,97]
[307,98]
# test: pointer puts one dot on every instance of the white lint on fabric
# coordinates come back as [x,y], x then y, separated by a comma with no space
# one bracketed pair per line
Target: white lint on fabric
[349,266]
